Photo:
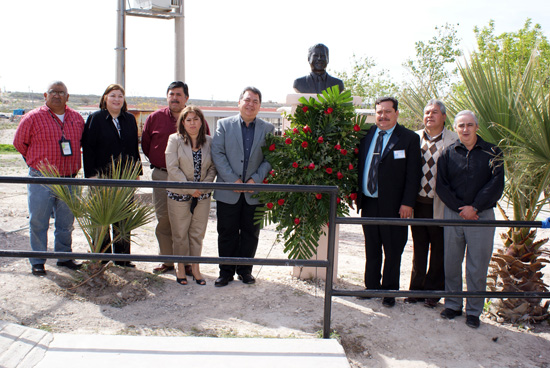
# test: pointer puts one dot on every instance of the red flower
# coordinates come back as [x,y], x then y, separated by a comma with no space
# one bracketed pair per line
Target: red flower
[356,128]
[344,151]
[353,196]
[304,108]
[339,175]
[284,134]
[304,144]
[318,196]
[356,150]
[307,129]
[337,147]
[269,205]
[338,200]
[272,147]
[272,173]
[288,141]
[296,220]
[295,131]
[265,181]
[320,140]
[295,165]
[328,170]
[350,167]
[329,111]
[311,166]
[280,202]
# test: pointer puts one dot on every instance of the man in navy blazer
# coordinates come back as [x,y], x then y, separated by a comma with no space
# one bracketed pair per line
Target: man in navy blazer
[389,190]
[237,154]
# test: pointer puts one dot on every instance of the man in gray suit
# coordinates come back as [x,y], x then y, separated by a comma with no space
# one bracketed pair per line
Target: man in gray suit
[318,80]
[237,154]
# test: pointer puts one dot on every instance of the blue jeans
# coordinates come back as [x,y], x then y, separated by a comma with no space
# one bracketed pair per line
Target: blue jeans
[42,203]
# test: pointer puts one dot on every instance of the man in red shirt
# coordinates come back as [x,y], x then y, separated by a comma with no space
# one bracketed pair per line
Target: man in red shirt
[49,140]
[158,127]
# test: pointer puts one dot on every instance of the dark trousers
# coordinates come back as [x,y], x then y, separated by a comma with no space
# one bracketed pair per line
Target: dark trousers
[382,242]
[237,234]
[427,240]
[120,246]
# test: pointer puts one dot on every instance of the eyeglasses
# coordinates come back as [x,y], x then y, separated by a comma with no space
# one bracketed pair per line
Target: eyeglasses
[253,102]
[59,93]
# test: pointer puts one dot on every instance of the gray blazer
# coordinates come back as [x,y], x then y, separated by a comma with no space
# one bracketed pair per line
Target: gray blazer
[179,162]
[449,137]
[228,156]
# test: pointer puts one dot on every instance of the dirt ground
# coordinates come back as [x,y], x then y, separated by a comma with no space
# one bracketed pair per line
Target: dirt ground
[277,306]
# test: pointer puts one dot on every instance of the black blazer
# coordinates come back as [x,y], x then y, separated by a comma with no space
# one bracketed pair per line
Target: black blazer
[398,178]
[100,141]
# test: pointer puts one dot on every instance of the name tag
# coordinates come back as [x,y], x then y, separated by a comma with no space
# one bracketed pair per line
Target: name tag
[397,155]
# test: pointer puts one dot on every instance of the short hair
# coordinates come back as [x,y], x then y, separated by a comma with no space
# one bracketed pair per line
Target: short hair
[179,84]
[110,88]
[317,45]
[253,90]
[463,113]
[201,138]
[439,104]
[56,83]
[393,100]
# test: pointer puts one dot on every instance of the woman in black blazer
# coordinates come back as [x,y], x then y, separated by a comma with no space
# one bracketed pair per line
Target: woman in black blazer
[110,133]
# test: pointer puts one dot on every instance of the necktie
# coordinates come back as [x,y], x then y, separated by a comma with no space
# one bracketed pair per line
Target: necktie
[373,171]
[117,125]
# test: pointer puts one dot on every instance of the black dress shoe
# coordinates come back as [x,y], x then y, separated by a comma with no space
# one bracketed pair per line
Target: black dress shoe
[70,264]
[472,321]
[388,302]
[38,270]
[450,314]
[222,281]
[125,264]
[247,279]
[430,303]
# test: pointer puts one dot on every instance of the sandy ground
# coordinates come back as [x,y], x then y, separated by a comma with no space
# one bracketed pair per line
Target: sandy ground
[278,305]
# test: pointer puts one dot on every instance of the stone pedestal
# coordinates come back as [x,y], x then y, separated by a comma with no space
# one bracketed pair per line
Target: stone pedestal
[305,273]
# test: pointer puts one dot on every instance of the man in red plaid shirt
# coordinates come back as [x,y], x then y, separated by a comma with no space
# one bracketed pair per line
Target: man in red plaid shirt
[49,139]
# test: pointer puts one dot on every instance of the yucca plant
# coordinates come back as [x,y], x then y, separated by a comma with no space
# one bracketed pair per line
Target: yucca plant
[513,112]
[95,208]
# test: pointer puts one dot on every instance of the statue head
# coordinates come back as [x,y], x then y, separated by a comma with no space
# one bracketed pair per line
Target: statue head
[317,57]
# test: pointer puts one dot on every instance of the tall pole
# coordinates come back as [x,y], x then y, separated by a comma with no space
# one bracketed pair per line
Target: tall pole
[179,49]
[120,44]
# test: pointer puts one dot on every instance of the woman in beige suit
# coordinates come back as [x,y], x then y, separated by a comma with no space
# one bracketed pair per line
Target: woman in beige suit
[188,159]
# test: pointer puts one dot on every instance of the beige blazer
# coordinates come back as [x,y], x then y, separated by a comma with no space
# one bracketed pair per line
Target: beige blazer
[449,137]
[179,162]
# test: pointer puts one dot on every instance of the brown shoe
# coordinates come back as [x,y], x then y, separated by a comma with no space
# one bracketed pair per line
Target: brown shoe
[430,303]
[163,269]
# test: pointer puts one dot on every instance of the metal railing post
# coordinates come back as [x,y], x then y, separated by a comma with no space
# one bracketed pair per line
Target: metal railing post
[330,268]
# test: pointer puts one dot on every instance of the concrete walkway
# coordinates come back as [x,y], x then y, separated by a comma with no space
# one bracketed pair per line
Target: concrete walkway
[24,347]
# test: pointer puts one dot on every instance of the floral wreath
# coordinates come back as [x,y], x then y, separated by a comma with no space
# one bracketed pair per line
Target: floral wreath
[320,148]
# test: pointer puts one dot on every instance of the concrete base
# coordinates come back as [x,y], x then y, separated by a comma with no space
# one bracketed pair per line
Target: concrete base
[305,273]
[27,347]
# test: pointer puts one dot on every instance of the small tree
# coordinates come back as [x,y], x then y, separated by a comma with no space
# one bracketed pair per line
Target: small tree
[97,207]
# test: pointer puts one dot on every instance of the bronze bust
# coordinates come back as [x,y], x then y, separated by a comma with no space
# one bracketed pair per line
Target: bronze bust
[318,80]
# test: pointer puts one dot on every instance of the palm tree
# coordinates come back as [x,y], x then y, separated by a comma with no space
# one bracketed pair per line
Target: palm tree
[514,112]
[97,207]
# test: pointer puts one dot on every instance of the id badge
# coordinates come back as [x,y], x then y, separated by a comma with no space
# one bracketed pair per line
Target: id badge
[65,146]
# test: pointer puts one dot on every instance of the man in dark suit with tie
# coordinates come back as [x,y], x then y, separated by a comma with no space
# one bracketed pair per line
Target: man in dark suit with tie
[389,180]
[318,80]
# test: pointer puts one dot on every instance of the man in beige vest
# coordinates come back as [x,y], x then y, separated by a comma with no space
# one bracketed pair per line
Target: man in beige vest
[428,240]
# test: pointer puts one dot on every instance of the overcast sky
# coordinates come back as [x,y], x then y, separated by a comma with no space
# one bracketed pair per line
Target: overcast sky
[229,44]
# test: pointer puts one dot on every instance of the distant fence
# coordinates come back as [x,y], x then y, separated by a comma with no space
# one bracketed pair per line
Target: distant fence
[332,191]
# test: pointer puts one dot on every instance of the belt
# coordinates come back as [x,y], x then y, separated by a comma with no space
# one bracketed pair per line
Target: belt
[159,168]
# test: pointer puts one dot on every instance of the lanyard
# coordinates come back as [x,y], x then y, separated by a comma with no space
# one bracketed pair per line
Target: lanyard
[58,121]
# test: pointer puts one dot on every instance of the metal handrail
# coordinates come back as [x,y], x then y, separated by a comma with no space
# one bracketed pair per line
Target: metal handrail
[330,292]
